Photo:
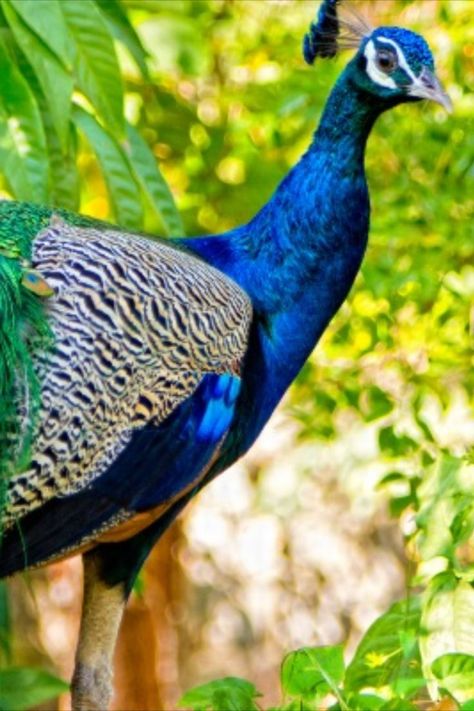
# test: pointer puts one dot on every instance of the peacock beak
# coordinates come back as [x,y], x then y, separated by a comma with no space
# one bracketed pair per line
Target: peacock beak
[428,86]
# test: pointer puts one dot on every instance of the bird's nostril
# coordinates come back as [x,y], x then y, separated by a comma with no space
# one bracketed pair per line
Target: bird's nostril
[428,80]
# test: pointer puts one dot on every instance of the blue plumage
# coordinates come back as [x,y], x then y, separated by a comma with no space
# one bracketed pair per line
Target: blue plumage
[228,325]
[321,40]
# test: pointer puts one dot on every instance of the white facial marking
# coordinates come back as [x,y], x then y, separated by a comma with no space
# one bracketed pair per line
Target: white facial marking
[402,62]
[373,71]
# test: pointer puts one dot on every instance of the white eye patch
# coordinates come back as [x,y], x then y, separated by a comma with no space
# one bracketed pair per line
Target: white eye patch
[376,74]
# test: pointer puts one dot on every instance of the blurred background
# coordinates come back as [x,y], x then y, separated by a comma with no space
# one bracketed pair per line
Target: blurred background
[302,543]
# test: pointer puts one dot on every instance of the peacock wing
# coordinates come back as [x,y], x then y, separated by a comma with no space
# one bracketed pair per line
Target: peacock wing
[140,326]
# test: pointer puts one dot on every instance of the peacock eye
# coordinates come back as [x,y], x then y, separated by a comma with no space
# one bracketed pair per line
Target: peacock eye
[387,61]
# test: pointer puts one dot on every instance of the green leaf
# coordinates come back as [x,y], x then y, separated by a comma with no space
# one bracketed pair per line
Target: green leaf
[447,621]
[455,673]
[21,688]
[228,694]
[97,69]
[123,190]
[124,31]
[384,655]
[47,21]
[377,404]
[468,706]
[23,152]
[63,167]
[153,184]
[446,494]
[56,82]
[313,672]
[395,445]
[365,702]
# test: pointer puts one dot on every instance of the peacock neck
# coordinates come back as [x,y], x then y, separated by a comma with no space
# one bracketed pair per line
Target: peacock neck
[319,213]
[298,257]
[347,120]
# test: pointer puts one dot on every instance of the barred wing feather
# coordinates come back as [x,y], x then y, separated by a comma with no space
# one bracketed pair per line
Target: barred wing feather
[137,323]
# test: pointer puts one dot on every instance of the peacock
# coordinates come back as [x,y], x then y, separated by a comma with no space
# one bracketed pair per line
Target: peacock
[135,370]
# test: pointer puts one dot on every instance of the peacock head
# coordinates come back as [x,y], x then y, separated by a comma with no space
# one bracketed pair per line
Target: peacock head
[392,64]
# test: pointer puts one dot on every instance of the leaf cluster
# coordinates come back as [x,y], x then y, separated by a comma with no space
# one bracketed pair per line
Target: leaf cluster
[62,83]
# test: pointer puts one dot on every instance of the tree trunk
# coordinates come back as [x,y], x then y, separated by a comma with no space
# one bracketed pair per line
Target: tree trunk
[146,659]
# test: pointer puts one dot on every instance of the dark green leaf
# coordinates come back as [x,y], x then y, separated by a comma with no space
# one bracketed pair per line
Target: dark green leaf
[21,688]
[395,445]
[313,672]
[97,69]
[123,189]
[377,404]
[56,82]
[23,152]
[154,185]
[63,168]
[229,694]
[124,31]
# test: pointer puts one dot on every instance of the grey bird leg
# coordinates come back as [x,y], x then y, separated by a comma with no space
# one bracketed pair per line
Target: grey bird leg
[102,610]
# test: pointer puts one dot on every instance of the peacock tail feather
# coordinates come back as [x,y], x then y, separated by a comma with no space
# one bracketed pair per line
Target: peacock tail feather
[24,330]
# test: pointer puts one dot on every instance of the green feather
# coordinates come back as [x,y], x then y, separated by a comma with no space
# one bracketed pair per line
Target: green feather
[24,329]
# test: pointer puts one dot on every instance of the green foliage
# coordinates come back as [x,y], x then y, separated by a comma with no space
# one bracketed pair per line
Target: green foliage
[388,654]
[230,694]
[60,76]
[383,674]
[311,673]
[455,673]
[21,688]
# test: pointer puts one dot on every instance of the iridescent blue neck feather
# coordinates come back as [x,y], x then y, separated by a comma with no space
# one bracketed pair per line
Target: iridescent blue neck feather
[298,257]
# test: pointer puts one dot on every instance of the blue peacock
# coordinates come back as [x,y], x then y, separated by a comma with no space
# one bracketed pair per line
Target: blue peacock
[133,370]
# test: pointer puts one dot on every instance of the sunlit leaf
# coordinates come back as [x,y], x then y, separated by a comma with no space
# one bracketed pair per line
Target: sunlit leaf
[229,694]
[388,652]
[153,184]
[123,190]
[47,21]
[123,30]
[65,179]
[312,672]
[447,620]
[56,82]
[96,65]
[455,672]
[23,153]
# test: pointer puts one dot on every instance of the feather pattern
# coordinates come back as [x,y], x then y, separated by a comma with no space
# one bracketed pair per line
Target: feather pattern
[168,319]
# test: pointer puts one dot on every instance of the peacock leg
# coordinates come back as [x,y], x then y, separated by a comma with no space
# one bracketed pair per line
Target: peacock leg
[102,610]
[109,573]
